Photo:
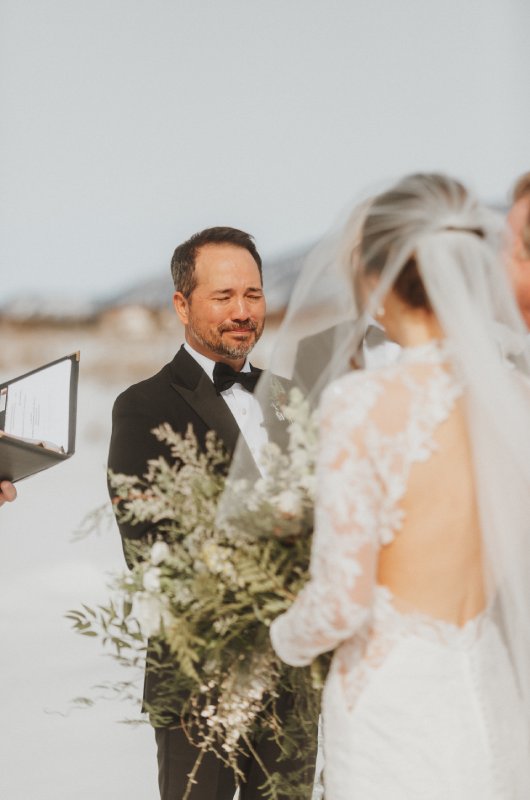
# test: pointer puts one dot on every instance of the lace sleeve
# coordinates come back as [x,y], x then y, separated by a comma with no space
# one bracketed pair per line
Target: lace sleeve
[336,601]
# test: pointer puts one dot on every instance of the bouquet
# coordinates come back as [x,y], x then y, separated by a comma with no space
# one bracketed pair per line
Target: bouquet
[205,592]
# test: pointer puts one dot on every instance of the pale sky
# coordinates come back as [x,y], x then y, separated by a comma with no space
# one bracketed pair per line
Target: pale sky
[126,125]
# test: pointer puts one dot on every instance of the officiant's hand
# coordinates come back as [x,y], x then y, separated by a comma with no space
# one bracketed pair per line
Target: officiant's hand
[7,492]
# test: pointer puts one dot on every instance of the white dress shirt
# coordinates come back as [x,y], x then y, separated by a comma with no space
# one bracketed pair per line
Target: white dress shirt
[245,408]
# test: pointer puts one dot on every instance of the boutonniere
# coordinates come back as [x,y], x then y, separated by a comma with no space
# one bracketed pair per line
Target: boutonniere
[278,411]
[278,398]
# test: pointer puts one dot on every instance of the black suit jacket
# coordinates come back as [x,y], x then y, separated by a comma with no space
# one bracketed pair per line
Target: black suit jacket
[180,394]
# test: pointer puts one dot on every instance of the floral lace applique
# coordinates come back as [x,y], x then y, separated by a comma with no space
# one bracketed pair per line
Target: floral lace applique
[374,426]
[358,658]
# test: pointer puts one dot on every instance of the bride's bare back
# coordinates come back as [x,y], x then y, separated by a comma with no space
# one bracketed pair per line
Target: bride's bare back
[396,504]
[434,564]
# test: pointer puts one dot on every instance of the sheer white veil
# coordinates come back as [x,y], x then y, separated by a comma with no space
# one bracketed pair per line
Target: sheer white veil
[456,246]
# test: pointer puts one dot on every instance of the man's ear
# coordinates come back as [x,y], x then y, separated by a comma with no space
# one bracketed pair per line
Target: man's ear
[181,305]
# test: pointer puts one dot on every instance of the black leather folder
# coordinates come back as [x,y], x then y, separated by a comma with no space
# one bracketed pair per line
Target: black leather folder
[40,402]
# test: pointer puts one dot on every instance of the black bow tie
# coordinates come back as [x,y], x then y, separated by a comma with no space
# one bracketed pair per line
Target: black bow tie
[224,377]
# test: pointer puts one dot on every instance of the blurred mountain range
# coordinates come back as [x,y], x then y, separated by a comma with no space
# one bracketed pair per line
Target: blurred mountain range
[154,295]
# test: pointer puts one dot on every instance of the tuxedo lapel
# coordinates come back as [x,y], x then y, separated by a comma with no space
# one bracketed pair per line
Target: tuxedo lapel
[195,387]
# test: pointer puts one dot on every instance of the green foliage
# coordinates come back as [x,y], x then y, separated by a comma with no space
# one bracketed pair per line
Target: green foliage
[206,592]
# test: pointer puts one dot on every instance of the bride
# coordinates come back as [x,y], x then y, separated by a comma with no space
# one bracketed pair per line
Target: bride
[420,573]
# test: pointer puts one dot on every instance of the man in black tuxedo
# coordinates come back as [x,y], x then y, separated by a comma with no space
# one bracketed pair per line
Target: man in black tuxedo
[219,299]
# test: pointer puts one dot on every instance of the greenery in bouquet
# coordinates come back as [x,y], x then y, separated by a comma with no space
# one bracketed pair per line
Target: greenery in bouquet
[206,588]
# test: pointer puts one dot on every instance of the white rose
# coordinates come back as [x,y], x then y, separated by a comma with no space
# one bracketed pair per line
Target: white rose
[147,610]
[159,553]
[151,579]
[309,483]
[271,451]
[288,502]
[300,459]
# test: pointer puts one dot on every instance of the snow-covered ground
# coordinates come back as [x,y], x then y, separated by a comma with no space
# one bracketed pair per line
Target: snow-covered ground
[50,749]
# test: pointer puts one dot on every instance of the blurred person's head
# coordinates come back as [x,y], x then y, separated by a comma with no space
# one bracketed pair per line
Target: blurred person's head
[519,244]
[218,296]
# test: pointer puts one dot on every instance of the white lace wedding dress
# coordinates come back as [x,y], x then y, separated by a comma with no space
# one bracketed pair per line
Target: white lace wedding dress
[420,702]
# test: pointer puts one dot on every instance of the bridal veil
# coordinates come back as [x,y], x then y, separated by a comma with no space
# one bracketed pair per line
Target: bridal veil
[456,244]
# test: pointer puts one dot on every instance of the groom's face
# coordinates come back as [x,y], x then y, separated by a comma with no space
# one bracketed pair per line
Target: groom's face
[224,315]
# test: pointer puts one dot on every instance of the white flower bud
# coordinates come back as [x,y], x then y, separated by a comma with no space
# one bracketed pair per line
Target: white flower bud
[288,502]
[159,552]
[147,611]
[151,579]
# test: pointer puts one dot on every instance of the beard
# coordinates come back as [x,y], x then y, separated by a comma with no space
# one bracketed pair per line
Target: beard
[213,339]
